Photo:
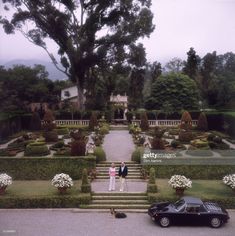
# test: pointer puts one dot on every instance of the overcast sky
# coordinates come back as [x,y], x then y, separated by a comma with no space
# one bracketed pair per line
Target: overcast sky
[206,25]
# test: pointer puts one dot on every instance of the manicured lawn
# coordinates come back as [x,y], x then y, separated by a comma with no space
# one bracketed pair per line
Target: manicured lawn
[207,189]
[38,188]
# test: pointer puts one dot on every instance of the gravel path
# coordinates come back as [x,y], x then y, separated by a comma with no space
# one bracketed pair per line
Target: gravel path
[118,145]
[65,222]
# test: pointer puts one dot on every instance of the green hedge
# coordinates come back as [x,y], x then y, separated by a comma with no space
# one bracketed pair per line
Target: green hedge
[45,201]
[41,168]
[228,203]
[193,171]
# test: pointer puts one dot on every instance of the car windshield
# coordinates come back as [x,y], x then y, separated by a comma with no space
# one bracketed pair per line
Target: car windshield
[179,205]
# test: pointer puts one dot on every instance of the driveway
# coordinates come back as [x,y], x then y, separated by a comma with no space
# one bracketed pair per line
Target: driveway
[65,222]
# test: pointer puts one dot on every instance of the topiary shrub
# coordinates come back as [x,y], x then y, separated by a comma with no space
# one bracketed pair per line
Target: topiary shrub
[85,186]
[137,154]
[36,149]
[152,187]
[78,148]
[144,124]
[48,120]
[157,143]
[202,123]
[186,121]
[100,154]
[185,136]
[35,122]
[175,143]
[62,131]
[93,121]
[50,136]
[217,139]
[174,131]
[158,132]
[104,130]
[210,137]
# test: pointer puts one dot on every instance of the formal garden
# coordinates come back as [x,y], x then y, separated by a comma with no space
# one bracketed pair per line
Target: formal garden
[53,165]
[54,134]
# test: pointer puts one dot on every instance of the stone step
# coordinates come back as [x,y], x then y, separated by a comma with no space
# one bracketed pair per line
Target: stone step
[129,177]
[119,194]
[115,206]
[119,201]
[117,179]
[110,197]
[129,173]
[108,165]
[107,169]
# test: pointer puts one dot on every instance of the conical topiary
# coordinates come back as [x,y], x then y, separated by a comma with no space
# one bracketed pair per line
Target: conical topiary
[186,121]
[93,121]
[202,123]
[152,187]
[35,122]
[86,186]
[144,123]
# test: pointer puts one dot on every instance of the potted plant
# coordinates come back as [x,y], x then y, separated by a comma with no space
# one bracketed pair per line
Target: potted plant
[62,182]
[229,180]
[5,180]
[180,183]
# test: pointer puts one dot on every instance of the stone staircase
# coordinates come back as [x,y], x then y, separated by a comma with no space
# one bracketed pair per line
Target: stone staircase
[116,200]
[133,170]
[126,200]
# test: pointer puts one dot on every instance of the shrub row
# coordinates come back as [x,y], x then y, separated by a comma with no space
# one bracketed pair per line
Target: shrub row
[45,201]
[228,203]
[193,171]
[41,168]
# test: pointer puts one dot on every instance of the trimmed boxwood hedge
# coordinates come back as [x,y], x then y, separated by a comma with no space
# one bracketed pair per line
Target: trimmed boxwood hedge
[45,201]
[41,168]
[193,171]
[228,203]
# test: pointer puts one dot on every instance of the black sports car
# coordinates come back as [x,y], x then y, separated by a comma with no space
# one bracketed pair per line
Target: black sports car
[188,210]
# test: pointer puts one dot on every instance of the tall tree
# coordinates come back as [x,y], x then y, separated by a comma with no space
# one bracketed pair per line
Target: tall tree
[136,84]
[173,92]
[209,79]
[155,70]
[175,65]
[191,66]
[88,33]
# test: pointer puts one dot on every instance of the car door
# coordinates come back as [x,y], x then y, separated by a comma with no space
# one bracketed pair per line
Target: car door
[191,214]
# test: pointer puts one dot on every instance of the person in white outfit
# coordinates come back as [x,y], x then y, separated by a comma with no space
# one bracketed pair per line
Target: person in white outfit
[112,176]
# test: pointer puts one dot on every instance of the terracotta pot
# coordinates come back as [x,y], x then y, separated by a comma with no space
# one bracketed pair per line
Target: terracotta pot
[179,191]
[2,190]
[62,189]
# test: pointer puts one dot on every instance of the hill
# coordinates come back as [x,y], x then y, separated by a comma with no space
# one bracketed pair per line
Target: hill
[54,74]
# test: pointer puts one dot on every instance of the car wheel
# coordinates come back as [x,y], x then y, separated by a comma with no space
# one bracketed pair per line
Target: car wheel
[164,221]
[215,222]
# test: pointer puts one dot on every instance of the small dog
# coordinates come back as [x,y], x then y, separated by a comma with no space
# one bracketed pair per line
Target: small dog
[117,214]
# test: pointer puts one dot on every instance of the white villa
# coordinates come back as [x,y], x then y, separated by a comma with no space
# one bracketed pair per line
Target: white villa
[71,93]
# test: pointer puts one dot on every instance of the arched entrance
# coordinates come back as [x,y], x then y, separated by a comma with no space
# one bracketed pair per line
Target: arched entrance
[119,113]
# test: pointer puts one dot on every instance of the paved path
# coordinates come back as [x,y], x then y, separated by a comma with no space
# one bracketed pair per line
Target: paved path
[132,186]
[65,222]
[118,145]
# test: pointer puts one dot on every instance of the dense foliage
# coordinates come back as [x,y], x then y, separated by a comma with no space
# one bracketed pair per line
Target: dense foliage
[178,90]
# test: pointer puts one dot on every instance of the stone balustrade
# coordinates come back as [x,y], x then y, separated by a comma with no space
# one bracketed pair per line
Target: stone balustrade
[168,123]
[72,122]
[152,123]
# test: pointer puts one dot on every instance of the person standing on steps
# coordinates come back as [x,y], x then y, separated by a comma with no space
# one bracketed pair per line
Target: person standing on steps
[112,175]
[123,171]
